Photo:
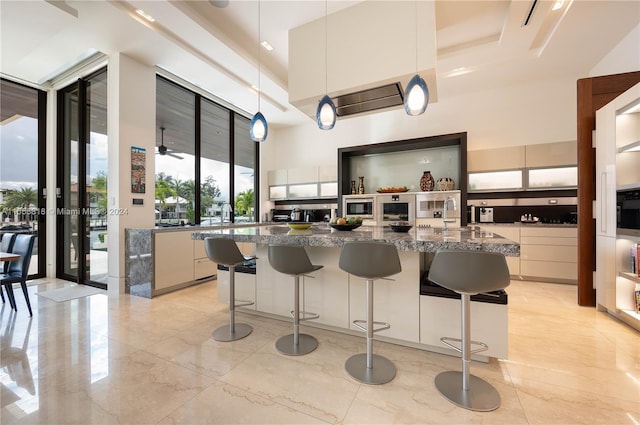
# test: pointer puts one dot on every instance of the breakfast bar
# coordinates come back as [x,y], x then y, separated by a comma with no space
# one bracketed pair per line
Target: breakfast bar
[417,320]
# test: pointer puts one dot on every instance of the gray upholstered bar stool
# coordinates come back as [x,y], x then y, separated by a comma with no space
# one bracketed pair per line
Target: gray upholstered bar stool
[226,252]
[370,261]
[468,273]
[293,260]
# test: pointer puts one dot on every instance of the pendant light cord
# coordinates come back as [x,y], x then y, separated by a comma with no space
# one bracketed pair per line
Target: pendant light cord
[259,67]
[416,22]
[326,48]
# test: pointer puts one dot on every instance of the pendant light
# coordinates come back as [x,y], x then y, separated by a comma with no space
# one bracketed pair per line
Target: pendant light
[326,112]
[258,127]
[416,96]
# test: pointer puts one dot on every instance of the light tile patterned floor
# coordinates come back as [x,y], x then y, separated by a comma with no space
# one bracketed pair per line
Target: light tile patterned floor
[137,361]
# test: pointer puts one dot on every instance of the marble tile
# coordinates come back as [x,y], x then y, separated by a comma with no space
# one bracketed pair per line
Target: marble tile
[132,360]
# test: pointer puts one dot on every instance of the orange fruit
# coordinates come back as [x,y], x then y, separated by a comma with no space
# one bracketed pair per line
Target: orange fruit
[342,221]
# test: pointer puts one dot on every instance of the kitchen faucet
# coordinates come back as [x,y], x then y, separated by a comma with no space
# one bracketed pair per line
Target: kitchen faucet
[445,215]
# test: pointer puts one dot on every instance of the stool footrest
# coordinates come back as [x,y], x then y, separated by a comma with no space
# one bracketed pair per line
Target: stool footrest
[305,315]
[242,303]
[445,340]
[357,324]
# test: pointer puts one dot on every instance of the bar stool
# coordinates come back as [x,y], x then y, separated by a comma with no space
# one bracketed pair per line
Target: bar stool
[370,261]
[468,273]
[226,252]
[293,260]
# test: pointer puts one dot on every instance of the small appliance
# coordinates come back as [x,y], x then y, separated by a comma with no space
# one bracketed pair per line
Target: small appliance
[358,206]
[628,211]
[486,215]
[395,207]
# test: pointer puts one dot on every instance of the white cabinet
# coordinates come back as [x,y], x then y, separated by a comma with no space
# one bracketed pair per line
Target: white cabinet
[173,259]
[244,285]
[556,154]
[549,253]
[510,158]
[203,268]
[303,182]
[617,129]
[512,233]
[396,301]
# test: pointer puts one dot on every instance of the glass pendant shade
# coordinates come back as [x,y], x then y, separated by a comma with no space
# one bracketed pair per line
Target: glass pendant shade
[258,128]
[326,113]
[416,96]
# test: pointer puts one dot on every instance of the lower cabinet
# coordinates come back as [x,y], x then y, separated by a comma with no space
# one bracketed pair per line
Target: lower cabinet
[203,268]
[173,257]
[511,233]
[395,301]
[549,253]
[245,288]
[440,317]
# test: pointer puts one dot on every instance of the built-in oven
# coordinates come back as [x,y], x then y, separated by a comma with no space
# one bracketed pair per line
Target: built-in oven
[437,208]
[628,211]
[359,206]
[396,207]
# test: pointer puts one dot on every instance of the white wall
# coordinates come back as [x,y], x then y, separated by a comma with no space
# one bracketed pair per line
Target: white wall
[625,57]
[131,122]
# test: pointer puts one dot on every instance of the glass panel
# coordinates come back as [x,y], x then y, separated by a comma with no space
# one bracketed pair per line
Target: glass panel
[303,190]
[214,163]
[277,192]
[405,168]
[175,175]
[498,180]
[243,171]
[553,177]
[19,144]
[96,178]
[69,187]
[329,190]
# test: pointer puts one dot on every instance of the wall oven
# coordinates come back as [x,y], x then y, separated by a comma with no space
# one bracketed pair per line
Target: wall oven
[359,206]
[396,207]
[628,211]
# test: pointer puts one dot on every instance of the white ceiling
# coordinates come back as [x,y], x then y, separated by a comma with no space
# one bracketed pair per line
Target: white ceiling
[481,44]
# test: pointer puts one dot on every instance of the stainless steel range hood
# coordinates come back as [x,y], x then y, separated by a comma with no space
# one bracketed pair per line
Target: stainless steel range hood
[377,98]
[370,57]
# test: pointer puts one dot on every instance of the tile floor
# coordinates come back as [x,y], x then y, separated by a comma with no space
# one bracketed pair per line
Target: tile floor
[132,360]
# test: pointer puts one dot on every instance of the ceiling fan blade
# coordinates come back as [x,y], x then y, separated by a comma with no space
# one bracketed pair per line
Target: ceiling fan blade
[173,155]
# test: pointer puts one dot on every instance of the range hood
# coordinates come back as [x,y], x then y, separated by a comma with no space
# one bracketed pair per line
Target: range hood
[371,56]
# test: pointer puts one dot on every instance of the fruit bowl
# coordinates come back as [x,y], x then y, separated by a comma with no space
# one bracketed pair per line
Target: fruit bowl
[299,226]
[345,226]
[401,226]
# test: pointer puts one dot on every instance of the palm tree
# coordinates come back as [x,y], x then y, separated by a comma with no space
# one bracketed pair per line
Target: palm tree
[178,187]
[163,191]
[23,198]
[244,202]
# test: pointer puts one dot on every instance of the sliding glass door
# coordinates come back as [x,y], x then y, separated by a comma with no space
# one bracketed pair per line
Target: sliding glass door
[22,166]
[82,181]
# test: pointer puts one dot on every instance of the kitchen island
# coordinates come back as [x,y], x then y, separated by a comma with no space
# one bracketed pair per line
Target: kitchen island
[416,320]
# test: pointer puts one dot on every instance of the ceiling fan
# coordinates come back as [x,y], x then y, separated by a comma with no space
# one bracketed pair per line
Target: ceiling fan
[162,149]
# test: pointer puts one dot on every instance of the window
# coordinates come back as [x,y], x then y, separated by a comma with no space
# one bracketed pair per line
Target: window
[207,174]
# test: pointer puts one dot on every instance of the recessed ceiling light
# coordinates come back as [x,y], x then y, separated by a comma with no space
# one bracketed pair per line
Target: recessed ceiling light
[266,45]
[254,88]
[557,5]
[145,15]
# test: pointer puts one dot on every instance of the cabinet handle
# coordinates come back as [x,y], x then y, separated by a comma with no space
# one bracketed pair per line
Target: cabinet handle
[603,202]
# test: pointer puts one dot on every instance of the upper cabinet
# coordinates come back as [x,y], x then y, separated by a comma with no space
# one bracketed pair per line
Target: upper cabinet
[303,183]
[551,155]
[531,167]
[510,158]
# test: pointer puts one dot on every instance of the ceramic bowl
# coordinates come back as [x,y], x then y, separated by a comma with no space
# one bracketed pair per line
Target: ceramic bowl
[299,226]
[401,226]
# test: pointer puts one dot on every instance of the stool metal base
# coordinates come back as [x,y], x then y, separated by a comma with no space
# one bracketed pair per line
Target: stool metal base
[381,372]
[481,395]
[224,334]
[306,344]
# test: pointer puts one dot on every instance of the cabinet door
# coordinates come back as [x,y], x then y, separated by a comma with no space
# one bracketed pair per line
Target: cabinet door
[511,233]
[606,272]
[302,175]
[605,212]
[245,288]
[327,173]
[396,302]
[552,154]
[510,158]
[277,177]
[173,258]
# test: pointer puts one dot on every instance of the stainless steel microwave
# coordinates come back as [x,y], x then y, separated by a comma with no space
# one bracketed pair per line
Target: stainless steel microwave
[628,210]
[359,206]
[392,207]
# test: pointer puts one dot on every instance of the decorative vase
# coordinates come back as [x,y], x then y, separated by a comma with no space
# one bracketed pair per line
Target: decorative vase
[361,186]
[445,183]
[353,187]
[427,182]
